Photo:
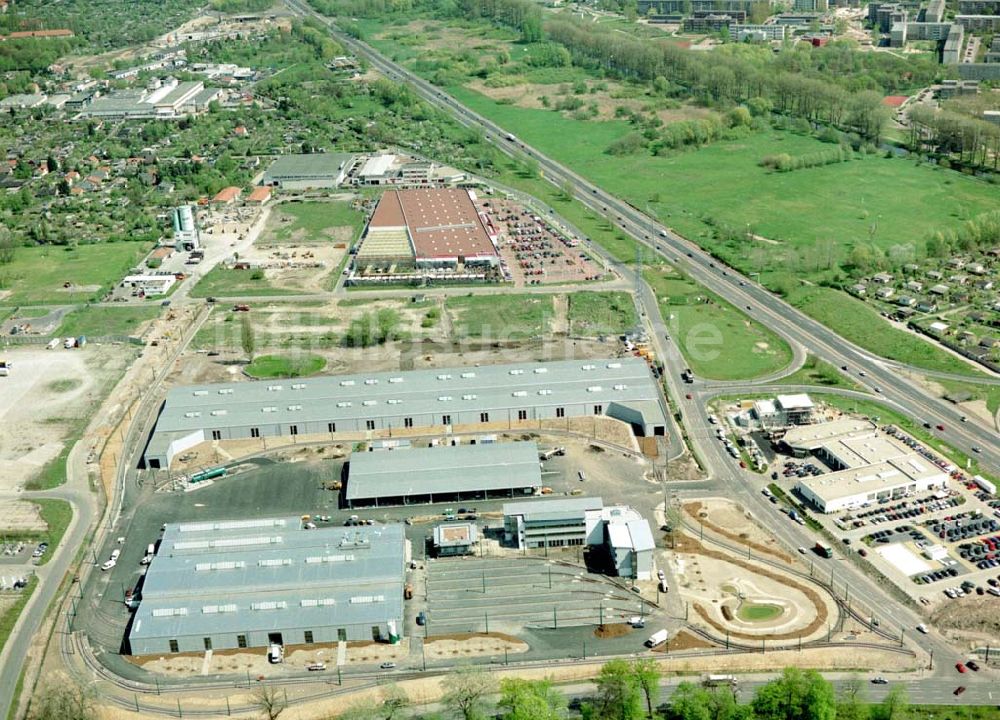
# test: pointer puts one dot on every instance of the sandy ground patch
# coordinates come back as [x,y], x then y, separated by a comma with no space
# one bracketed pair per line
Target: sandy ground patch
[20,516]
[731,520]
[37,417]
[473,644]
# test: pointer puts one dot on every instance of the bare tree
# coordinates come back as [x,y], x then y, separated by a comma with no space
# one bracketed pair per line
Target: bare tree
[394,701]
[62,700]
[464,689]
[269,702]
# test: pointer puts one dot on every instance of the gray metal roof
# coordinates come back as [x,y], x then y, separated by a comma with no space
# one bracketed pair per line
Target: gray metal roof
[319,165]
[432,470]
[625,381]
[552,508]
[270,573]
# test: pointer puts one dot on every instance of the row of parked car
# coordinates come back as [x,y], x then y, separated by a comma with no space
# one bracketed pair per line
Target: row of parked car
[963,527]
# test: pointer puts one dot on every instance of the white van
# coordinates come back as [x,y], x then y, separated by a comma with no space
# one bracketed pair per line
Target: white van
[275,653]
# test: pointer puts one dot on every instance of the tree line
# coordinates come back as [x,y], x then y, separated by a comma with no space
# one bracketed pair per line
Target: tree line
[793,84]
[623,690]
[945,132]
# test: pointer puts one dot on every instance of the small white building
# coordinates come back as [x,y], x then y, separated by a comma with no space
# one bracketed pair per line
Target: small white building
[150,284]
[629,543]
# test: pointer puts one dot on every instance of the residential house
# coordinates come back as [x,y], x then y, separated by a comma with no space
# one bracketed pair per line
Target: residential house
[885,293]
[958,279]
[915,286]
[939,289]
[957,263]
[966,338]
[977,269]
[927,306]
[227,196]
[905,301]
[882,278]
[935,274]
[859,289]
[984,285]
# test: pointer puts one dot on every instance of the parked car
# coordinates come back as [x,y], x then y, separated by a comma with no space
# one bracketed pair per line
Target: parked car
[960,667]
[387,665]
[879,681]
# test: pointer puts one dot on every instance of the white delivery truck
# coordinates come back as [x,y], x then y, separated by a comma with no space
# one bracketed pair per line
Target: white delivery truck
[657,638]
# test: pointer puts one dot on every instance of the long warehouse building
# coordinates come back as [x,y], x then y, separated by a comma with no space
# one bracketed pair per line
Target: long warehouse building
[248,583]
[449,473]
[480,398]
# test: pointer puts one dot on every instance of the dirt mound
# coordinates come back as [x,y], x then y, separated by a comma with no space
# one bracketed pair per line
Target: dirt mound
[697,512]
[612,630]
[977,614]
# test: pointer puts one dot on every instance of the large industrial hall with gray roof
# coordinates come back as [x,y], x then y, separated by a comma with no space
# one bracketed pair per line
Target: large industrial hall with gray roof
[248,583]
[449,473]
[497,396]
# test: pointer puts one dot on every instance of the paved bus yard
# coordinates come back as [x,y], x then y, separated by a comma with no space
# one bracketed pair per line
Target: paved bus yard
[509,594]
[102,614]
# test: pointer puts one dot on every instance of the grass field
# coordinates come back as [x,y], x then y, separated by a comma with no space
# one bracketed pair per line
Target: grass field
[97,320]
[601,313]
[37,275]
[758,613]
[717,340]
[818,372]
[861,324]
[988,393]
[684,188]
[57,515]
[223,282]
[285,366]
[500,317]
[317,222]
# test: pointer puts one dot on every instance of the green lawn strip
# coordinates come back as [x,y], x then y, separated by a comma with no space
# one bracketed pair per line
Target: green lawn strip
[53,473]
[9,617]
[38,275]
[601,313]
[686,188]
[315,219]
[818,372]
[948,712]
[98,320]
[285,366]
[717,340]
[223,282]
[857,322]
[501,317]
[57,515]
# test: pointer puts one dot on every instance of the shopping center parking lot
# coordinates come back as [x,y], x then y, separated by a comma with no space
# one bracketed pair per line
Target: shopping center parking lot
[933,545]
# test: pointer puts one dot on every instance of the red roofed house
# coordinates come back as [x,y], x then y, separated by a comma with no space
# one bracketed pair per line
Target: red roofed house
[227,196]
[240,131]
[260,195]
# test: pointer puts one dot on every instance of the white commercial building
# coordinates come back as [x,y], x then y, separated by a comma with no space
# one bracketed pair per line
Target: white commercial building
[871,465]
[562,522]
[150,284]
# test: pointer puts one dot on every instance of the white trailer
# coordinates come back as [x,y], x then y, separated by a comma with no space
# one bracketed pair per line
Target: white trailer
[985,485]
[53,343]
[657,638]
